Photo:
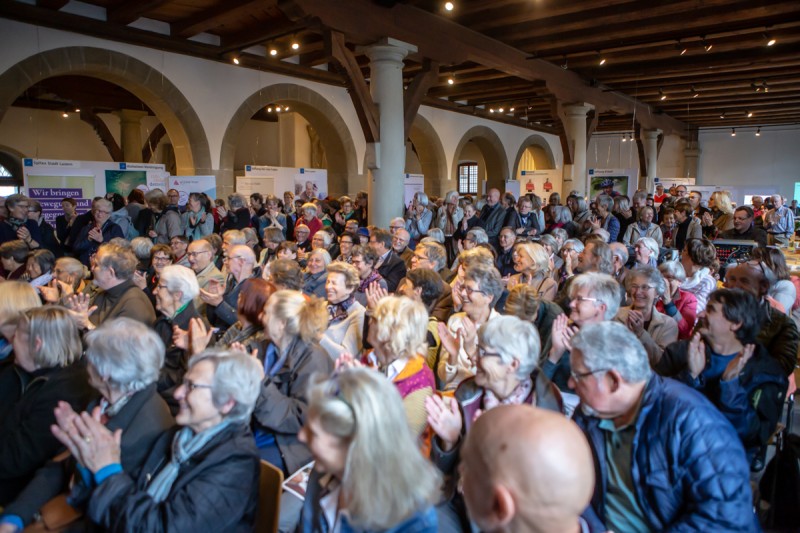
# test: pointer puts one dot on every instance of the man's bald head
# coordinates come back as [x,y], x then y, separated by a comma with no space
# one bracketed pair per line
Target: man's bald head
[526,469]
[493,196]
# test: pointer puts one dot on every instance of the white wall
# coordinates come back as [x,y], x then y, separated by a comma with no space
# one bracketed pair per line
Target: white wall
[608,151]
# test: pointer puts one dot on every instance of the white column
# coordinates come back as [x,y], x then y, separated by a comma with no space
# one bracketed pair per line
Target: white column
[130,122]
[575,176]
[386,87]
[651,156]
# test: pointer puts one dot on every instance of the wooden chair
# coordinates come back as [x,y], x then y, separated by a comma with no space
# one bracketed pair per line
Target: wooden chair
[270,487]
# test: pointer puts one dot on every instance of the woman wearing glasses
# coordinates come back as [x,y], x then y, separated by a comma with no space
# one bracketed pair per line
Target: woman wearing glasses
[93,235]
[369,474]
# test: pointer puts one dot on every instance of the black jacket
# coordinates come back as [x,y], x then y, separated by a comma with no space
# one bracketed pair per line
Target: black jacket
[143,419]
[216,490]
[492,219]
[26,442]
[392,270]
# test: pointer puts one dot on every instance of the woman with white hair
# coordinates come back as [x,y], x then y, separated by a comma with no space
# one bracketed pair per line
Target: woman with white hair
[448,219]
[680,304]
[562,218]
[202,475]
[369,474]
[646,252]
[604,218]
[315,273]
[345,314]
[123,359]
[643,227]
[308,217]
[532,264]
[655,330]
[418,216]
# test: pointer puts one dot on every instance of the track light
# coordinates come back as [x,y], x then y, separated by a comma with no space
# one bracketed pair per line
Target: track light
[749,114]
[491,110]
[695,94]
[600,59]
[451,79]
[65,115]
[500,110]
[766,87]
[269,109]
[707,46]
[510,109]
[295,44]
[77,110]
[235,60]
[733,132]
[722,115]
[624,137]
[661,93]
[758,132]
[770,40]
[273,51]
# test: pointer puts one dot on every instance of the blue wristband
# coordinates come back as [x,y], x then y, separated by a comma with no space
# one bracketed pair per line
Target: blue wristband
[14,520]
[106,472]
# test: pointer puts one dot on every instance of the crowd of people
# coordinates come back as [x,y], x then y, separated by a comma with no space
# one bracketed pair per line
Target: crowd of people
[486,363]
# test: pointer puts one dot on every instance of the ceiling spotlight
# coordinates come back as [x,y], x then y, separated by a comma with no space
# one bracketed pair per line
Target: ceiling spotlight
[684,50]
[451,79]
[749,114]
[695,94]
[707,46]
[500,110]
[286,108]
[770,40]
[449,6]
[602,61]
[273,51]
[77,110]
[733,132]
[510,109]
[491,110]
[624,137]
[295,45]
[65,115]
[661,92]
[235,60]
[766,87]
[722,115]
[758,132]
[278,109]
[565,65]
[269,109]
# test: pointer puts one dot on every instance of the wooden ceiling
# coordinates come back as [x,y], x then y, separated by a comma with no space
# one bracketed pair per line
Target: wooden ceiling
[674,64]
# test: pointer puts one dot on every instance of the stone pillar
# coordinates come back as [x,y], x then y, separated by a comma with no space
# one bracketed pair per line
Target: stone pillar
[575,176]
[650,138]
[130,123]
[386,87]
[691,157]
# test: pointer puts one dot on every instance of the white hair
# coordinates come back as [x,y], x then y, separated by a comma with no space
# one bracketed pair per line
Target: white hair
[178,278]
[513,338]
[612,346]
[237,377]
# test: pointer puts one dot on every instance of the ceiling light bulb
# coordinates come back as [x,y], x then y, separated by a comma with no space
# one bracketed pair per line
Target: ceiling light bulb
[624,138]
[695,95]
[269,110]
[286,108]
[684,51]
[77,110]
[501,110]
[278,109]
[722,115]
[770,40]
[449,6]
[491,110]
[65,115]
[602,61]
[450,81]
[235,60]
[733,132]
[273,52]
[749,114]
[663,96]
[758,132]
[511,109]
[295,46]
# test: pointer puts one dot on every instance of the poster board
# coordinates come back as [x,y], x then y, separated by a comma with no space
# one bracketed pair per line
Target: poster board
[542,183]
[412,184]
[622,180]
[513,186]
[247,185]
[310,183]
[303,182]
[186,185]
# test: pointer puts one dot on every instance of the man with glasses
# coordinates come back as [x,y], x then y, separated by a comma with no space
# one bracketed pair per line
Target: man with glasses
[680,191]
[779,222]
[93,235]
[665,458]
[400,241]
[16,225]
[200,255]
[695,199]
[221,301]
[744,228]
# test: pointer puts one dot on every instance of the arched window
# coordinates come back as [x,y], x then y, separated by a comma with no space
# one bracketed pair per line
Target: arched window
[468,178]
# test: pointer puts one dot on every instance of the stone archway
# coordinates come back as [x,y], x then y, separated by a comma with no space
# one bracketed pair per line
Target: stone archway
[339,147]
[431,157]
[493,153]
[182,124]
[542,154]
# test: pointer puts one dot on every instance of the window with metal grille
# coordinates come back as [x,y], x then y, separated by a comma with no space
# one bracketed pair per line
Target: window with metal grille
[468,178]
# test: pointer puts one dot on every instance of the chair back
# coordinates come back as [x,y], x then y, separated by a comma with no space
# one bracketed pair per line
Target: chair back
[270,487]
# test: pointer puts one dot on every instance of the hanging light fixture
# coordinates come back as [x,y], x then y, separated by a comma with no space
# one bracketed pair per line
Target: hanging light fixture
[733,132]
[661,93]
[758,132]
[770,40]
[624,137]
[695,94]
[748,113]
[706,46]
[273,51]
[235,60]
[722,115]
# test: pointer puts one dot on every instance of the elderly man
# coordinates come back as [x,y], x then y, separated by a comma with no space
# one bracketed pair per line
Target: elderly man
[118,295]
[389,266]
[492,216]
[665,458]
[200,255]
[525,222]
[744,228]
[17,225]
[526,470]
[68,279]
[433,256]
[400,241]
[93,235]
[695,199]
[619,258]
[779,222]
[221,301]
[505,256]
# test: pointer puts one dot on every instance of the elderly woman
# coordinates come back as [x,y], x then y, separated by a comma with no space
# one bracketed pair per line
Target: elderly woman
[201,475]
[273,237]
[552,247]
[720,217]
[197,219]
[643,227]
[697,258]
[46,347]
[142,246]
[532,264]
[580,212]
[16,297]
[123,361]
[681,305]
[654,329]
[479,292]
[418,216]
[309,219]
[101,230]
[345,314]
[783,291]
[39,267]
[448,220]
[605,219]
[347,241]
[315,273]
[364,449]
[292,323]
[364,260]
[646,252]
[569,255]
[158,222]
[161,256]
[562,218]
[238,214]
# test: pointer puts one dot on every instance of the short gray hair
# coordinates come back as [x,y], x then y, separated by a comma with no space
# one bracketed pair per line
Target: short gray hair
[178,278]
[237,377]
[436,235]
[611,345]
[236,236]
[651,244]
[478,235]
[435,253]
[421,197]
[619,250]
[673,269]
[561,214]
[237,201]
[141,247]
[326,237]
[549,240]
[126,353]
[488,279]
[577,244]
[605,200]
[651,274]
[513,338]
[601,286]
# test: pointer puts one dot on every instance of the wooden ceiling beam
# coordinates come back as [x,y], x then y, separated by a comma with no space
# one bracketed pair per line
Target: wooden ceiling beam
[55,5]
[128,12]
[531,14]
[416,92]
[262,35]
[476,112]
[757,71]
[215,16]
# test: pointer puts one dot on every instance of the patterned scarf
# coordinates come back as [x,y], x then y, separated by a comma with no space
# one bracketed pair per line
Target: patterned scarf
[373,276]
[517,396]
[338,312]
[185,444]
[15,223]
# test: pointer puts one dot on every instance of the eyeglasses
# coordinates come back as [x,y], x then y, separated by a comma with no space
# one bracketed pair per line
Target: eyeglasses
[585,299]
[191,385]
[645,288]
[469,290]
[483,353]
[195,254]
[577,376]
[160,259]
[96,211]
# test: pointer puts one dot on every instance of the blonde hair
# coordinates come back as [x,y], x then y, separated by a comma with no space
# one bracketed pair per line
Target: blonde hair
[305,316]
[722,201]
[523,302]
[15,298]
[475,256]
[537,254]
[384,469]
[58,333]
[401,323]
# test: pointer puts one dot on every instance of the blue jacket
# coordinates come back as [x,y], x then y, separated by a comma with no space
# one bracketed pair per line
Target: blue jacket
[86,247]
[689,467]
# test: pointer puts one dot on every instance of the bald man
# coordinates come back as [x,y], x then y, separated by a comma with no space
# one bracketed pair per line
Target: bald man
[492,216]
[526,470]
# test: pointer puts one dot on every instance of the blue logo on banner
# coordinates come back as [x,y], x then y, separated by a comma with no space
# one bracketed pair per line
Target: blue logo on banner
[524,172]
[302,171]
[122,166]
[27,162]
[248,168]
[591,171]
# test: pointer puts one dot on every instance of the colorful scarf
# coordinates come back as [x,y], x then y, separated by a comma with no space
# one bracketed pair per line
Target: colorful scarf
[517,396]
[373,276]
[338,312]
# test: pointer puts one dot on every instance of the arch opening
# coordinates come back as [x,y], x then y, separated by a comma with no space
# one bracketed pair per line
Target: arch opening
[481,144]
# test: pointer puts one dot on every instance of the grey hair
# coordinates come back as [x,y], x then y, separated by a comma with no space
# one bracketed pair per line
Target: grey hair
[401,220]
[513,338]
[619,250]
[560,233]
[651,274]
[436,235]
[611,345]
[250,234]
[600,286]
[125,353]
[488,279]
[551,242]
[310,206]
[237,201]
[561,214]
[75,268]
[450,195]
[178,278]
[326,237]
[58,333]
[237,377]
[651,244]
[326,257]
[605,200]
[421,197]
[479,235]
[673,269]
[141,248]
[435,253]
[577,245]
[236,236]
[273,234]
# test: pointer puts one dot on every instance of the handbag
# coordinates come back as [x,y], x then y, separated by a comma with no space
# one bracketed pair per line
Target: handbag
[55,516]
